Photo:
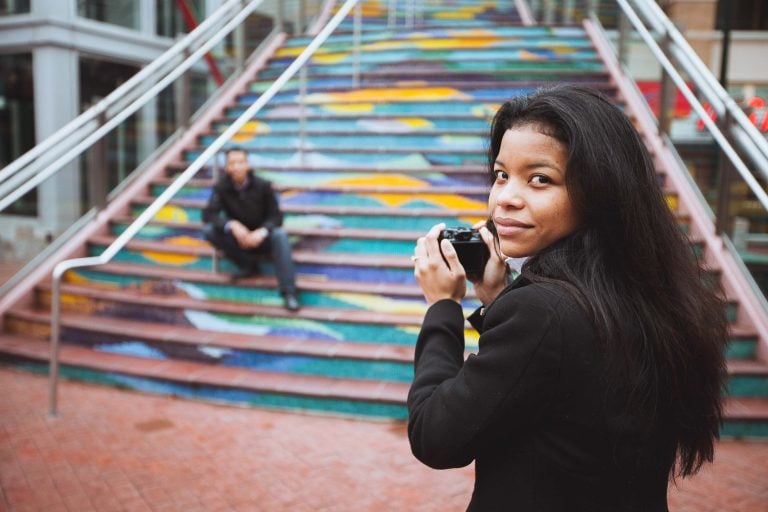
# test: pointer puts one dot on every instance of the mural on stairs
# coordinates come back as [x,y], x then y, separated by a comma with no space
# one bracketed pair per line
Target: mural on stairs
[385,161]
[400,126]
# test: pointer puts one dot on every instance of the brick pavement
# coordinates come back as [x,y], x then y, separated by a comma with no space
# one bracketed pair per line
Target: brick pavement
[113,450]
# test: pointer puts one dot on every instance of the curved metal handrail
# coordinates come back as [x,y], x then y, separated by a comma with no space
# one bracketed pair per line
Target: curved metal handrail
[20,178]
[210,152]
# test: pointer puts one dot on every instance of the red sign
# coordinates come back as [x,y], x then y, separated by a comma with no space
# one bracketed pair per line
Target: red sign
[756,108]
[756,111]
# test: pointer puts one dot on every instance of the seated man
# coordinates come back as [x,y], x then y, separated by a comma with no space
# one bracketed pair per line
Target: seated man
[243,220]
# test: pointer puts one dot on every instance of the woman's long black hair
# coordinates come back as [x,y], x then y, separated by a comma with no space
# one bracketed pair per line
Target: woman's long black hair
[633,270]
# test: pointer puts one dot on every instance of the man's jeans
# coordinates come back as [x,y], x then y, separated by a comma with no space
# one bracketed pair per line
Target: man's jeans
[276,244]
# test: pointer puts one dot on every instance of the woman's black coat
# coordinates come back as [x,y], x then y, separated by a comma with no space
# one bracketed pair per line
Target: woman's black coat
[531,409]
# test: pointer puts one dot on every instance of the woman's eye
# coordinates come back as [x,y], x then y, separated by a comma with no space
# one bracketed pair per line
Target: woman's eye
[501,175]
[540,179]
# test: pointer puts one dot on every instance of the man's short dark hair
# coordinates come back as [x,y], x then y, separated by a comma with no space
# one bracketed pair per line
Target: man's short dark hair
[234,149]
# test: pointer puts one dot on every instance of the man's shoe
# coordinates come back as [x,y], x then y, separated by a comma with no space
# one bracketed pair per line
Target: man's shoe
[291,302]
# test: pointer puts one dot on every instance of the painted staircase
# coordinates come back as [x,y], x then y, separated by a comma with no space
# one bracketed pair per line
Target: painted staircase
[380,164]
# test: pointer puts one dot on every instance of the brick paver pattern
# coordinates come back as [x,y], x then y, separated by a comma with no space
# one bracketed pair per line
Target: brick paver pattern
[112,450]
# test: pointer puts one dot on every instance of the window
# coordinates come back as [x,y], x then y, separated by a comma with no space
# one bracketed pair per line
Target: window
[745,14]
[13,7]
[98,79]
[17,119]
[117,12]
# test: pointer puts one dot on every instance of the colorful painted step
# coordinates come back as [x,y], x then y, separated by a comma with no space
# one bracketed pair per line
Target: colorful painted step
[287,180]
[422,33]
[385,186]
[470,126]
[188,253]
[397,207]
[283,354]
[390,157]
[472,85]
[470,145]
[175,306]
[264,388]
[380,165]
[431,40]
[405,55]
[468,66]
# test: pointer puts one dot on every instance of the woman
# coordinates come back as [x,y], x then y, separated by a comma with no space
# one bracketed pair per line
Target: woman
[599,369]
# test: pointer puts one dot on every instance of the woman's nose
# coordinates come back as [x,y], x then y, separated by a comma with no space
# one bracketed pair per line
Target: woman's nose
[510,196]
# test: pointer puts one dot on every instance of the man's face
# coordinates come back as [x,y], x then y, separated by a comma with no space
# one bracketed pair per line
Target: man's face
[237,166]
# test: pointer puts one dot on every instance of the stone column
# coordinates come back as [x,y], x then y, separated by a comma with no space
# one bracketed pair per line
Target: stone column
[148,136]
[57,99]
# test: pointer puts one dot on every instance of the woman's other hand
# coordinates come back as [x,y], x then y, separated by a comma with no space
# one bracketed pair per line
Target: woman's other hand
[438,281]
[494,278]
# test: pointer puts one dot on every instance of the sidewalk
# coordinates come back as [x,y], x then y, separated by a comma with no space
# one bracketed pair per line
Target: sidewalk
[113,450]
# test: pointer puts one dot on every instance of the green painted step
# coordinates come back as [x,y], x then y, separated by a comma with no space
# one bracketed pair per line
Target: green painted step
[389,158]
[398,143]
[406,181]
[454,109]
[236,293]
[522,33]
[338,396]
[341,268]
[503,56]
[290,185]
[474,66]
[302,240]
[328,220]
[141,342]
[480,43]
[474,85]
[473,126]
[245,318]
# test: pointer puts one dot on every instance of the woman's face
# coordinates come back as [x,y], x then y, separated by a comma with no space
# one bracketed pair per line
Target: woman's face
[529,203]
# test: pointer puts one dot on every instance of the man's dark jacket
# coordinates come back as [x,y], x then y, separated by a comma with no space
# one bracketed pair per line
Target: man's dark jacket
[531,409]
[255,204]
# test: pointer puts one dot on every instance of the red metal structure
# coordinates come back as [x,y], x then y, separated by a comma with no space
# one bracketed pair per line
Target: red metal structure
[191,21]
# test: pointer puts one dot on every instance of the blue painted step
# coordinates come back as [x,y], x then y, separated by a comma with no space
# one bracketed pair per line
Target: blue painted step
[401,34]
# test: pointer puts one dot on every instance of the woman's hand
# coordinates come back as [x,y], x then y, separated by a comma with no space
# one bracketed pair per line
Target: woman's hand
[494,278]
[438,281]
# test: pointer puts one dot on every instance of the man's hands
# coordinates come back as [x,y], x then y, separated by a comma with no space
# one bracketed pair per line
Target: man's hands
[246,238]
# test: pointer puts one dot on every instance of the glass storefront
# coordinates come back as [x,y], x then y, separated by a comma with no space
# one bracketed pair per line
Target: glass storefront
[124,13]
[171,20]
[13,7]
[98,79]
[17,119]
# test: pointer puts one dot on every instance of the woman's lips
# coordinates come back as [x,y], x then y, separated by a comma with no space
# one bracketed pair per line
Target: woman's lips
[510,227]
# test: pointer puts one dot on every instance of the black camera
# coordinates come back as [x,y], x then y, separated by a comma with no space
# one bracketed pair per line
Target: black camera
[470,248]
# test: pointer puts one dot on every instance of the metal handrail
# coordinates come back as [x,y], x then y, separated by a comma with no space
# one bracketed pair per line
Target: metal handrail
[681,84]
[135,82]
[172,189]
[27,178]
[715,93]
[721,253]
